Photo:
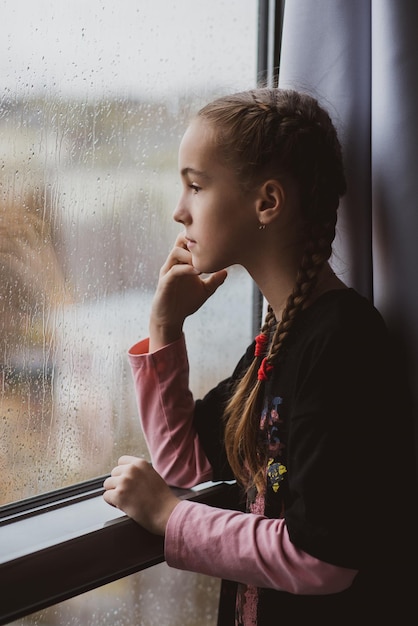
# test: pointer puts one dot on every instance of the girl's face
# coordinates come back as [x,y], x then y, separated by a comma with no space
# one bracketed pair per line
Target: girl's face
[220,220]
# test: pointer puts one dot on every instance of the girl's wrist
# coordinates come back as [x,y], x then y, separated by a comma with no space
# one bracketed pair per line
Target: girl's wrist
[167,514]
[160,336]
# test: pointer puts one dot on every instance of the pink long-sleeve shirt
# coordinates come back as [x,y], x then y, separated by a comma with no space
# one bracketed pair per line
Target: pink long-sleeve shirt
[247,548]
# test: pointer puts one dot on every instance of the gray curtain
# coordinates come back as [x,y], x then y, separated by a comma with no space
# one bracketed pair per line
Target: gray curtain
[360,59]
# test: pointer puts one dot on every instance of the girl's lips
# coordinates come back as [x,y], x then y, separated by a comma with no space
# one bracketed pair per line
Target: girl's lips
[190,243]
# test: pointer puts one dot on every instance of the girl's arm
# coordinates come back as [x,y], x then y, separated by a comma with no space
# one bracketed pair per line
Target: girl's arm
[166,408]
[161,370]
[251,549]
[227,544]
[248,548]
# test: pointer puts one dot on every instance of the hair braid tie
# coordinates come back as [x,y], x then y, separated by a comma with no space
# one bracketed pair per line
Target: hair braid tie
[260,344]
[264,369]
[260,350]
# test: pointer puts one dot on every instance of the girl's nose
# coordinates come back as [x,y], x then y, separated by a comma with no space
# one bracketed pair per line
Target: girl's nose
[180,214]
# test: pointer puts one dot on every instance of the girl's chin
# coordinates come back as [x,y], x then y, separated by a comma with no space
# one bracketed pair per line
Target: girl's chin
[205,267]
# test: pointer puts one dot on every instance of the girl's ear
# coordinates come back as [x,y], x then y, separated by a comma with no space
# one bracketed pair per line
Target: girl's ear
[270,201]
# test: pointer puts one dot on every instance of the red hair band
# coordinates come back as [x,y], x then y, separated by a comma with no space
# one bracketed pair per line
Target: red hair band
[264,369]
[260,344]
[260,349]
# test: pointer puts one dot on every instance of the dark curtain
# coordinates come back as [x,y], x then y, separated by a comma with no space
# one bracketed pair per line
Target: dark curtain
[360,59]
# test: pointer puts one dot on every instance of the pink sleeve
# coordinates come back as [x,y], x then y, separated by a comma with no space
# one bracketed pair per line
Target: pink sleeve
[246,548]
[166,408]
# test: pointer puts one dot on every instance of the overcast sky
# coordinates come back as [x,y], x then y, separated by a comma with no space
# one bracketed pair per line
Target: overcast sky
[125,46]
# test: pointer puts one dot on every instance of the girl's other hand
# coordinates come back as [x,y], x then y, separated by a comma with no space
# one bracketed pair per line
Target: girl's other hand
[140,492]
[181,291]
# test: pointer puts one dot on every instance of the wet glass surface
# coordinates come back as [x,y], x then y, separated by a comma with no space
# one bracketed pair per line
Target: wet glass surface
[94,98]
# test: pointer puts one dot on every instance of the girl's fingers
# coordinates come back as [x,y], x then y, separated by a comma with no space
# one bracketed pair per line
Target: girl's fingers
[109,496]
[177,256]
[215,280]
[135,488]
[181,241]
[125,459]
[110,483]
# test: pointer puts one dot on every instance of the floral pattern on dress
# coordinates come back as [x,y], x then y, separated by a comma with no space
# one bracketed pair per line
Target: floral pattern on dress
[270,431]
[272,438]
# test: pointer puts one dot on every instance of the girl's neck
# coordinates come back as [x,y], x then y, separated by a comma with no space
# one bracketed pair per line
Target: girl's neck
[278,288]
[327,281]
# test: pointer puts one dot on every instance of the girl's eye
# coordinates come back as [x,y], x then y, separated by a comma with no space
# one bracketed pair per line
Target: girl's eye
[195,187]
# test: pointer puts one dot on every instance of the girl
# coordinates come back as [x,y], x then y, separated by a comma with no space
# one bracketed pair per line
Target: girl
[305,423]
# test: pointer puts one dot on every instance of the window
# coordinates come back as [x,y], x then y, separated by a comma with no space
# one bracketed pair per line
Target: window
[94,99]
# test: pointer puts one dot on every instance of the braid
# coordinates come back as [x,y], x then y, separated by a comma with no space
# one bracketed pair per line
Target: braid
[269,133]
[317,253]
[241,434]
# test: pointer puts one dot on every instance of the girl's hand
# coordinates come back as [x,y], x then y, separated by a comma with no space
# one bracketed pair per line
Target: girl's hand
[136,488]
[181,291]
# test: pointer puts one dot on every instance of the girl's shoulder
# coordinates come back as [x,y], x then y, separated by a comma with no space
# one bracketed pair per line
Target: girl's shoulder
[343,309]
[341,323]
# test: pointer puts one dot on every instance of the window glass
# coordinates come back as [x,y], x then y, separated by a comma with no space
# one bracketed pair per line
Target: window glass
[94,98]
[156,597]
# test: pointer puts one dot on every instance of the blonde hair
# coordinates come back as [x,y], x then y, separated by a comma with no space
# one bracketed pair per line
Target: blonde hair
[273,132]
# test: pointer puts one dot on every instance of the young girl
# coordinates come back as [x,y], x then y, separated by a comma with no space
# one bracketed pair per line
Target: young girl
[306,422]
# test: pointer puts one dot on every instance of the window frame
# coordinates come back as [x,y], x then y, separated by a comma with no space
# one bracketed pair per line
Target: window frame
[77,542]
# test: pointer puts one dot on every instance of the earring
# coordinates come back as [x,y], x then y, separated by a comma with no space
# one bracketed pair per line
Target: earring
[261,227]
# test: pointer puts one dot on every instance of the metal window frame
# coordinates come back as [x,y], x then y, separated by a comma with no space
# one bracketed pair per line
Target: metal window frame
[270,27]
[71,541]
